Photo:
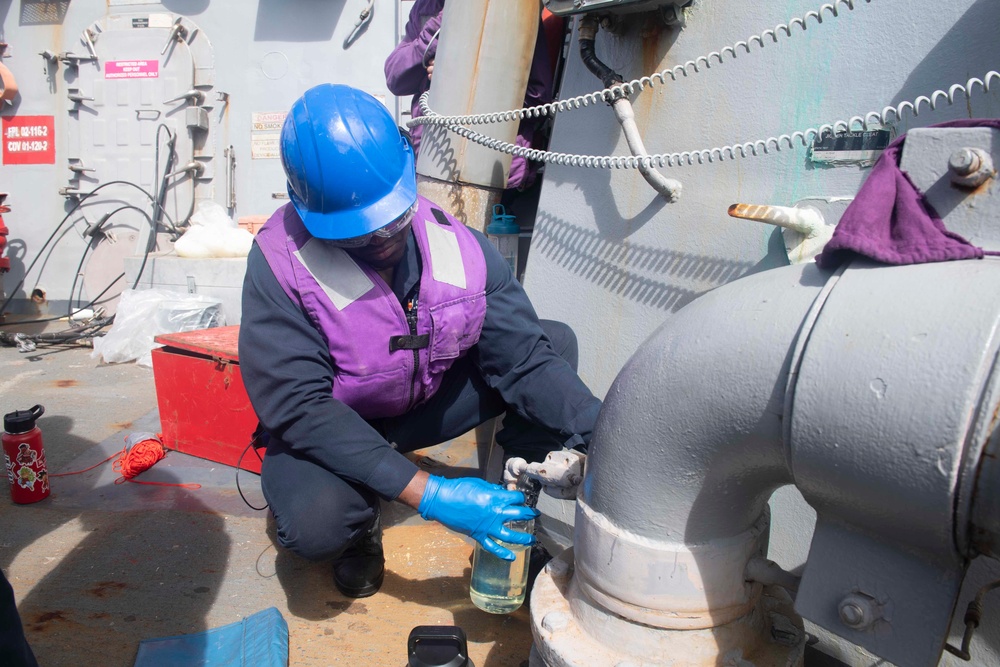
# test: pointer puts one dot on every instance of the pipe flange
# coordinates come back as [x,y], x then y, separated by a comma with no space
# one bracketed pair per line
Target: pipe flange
[679,587]
[771,632]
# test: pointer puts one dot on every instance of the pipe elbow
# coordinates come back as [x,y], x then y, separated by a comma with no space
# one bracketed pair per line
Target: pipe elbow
[686,453]
[699,406]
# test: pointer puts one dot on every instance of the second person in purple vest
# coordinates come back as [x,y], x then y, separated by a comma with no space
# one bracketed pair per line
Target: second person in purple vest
[409,68]
[375,324]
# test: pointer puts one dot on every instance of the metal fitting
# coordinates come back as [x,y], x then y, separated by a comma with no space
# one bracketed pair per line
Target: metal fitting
[970,167]
[194,169]
[193,96]
[672,15]
[554,621]
[859,611]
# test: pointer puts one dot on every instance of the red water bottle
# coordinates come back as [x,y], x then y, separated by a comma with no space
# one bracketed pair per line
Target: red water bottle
[24,456]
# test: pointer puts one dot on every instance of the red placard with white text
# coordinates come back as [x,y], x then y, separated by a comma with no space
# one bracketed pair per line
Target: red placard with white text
[29,140]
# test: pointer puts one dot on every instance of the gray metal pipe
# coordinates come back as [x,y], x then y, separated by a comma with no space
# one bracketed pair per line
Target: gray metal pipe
[686,453]
[482,65]
[875,390]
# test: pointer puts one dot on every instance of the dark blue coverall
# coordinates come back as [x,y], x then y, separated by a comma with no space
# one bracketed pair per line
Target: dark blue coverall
[14,649]
[325,466]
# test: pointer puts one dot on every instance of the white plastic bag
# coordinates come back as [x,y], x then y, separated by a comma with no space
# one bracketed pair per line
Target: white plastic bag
[213,234]
[145,314]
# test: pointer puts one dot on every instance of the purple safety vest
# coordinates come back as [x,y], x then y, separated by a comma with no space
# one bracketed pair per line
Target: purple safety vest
[382,368]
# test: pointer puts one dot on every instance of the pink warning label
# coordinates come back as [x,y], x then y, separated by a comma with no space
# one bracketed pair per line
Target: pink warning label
[131,69]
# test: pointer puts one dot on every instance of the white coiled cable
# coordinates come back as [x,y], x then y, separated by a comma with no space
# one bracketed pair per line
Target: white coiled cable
[887,116]
[636,85]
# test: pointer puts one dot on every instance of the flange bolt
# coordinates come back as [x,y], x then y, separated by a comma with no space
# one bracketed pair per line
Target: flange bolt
[970,167]
[859,611]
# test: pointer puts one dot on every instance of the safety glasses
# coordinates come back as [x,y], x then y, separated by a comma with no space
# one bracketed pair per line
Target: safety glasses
[393,228]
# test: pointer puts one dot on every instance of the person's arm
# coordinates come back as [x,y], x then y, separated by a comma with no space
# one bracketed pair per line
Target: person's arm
[288,375]
[539,91]
[414,491]
[540,76]
[406,66]
[516,358]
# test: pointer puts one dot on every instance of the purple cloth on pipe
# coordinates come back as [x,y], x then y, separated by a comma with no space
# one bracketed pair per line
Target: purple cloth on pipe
[891,222]
[406,74]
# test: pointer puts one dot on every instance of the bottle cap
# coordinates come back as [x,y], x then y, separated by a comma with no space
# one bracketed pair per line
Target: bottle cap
[22,421]
[502,223]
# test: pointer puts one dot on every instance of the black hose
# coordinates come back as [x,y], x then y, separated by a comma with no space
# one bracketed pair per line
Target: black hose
[93,301]
[588,54]
[587,32]
[59,317]
[86,250]
[84,197]
[107,321]
[161,192]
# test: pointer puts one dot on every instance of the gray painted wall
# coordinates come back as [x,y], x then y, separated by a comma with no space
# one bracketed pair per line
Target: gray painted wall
[615,262]
[266,53]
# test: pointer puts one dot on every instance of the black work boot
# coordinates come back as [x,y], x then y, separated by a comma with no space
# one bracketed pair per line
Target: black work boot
[359,571]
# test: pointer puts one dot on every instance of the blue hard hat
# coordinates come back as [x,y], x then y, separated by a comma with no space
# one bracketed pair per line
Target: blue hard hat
[349,169]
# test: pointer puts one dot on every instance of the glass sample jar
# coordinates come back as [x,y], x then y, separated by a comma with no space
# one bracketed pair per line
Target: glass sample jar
[498,586]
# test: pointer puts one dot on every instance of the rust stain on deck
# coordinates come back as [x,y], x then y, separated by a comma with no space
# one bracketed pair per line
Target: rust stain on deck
[104,588]
[40,622]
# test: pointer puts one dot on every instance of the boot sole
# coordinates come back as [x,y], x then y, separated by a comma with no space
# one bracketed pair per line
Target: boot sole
[362,592]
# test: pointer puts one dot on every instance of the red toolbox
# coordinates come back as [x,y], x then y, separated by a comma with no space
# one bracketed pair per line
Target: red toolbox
[204,409]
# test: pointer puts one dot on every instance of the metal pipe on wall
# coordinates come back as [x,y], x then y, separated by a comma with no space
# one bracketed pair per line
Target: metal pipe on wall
[482,65]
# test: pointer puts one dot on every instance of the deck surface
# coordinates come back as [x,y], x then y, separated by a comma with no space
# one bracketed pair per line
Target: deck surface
[99,566]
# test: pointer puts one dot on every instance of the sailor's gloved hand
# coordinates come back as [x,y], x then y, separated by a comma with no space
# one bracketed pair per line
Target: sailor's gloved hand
[560,473]
[479,509]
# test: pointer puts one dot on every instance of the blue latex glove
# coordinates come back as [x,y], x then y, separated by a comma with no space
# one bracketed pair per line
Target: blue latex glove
[474,507]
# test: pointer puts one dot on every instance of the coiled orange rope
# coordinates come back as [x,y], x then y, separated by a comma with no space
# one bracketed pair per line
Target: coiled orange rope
[141,452]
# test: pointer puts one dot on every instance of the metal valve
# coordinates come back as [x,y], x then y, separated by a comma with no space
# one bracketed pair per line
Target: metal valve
[194,96]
